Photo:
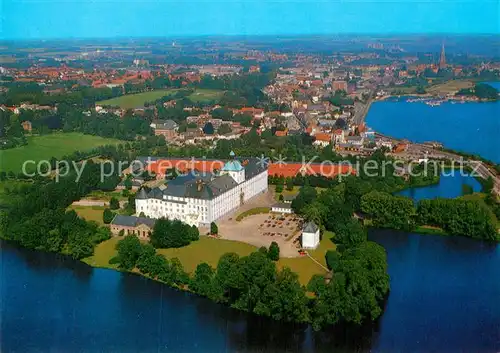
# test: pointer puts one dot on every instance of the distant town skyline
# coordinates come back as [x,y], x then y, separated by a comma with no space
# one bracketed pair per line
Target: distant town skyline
[27,19]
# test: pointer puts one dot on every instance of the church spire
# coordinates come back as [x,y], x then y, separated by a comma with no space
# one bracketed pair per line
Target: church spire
[442,58]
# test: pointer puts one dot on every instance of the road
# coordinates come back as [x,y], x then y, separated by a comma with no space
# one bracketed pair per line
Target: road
[360,111]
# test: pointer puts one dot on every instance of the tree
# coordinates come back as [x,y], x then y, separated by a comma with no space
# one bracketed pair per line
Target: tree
[289,184]
[213,228]
[306,195]
[469,218]
[172,234]
[107,216]
[129,249]
[114,204]
[128,185]
[332,258]
[389,211]
[224,129]
[274,251]
[202,280]
[285,299]
[350,234]
[279,188]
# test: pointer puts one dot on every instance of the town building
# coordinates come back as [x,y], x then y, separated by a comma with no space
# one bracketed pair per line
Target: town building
[310,236]
[322,140]
[167,128]
[199,198]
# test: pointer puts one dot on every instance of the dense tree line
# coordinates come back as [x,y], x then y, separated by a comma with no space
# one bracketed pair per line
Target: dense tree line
[389,211]
[11,131]
[37,217]
[461,217]
[471,218]
[481,90]
[173,234]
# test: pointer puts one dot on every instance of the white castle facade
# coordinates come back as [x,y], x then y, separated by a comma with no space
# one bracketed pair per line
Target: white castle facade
[204,198]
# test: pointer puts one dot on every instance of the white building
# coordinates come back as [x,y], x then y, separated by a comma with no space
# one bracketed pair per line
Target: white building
[310,236]
[201,198]
[282,208]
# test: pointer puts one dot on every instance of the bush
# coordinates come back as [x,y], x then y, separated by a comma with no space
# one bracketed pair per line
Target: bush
[213,228]
[274,251]
[114,204]
[107,216]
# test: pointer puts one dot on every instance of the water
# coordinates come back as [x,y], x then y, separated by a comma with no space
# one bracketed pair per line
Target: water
[52,303]
[469,127]
[445,297]
[450,186]
[445,294]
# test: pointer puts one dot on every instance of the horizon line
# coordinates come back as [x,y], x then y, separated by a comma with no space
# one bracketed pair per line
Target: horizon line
[290,35]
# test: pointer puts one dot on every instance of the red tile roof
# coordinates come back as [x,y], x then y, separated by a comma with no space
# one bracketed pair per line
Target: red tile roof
[323,137]
[183,165]
[292,169]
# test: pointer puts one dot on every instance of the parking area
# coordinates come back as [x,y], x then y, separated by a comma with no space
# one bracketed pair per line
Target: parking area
[262,229]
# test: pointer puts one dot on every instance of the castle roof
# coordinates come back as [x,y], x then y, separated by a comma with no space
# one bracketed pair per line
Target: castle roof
[232,166]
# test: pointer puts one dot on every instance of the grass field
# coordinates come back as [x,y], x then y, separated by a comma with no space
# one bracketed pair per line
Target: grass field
[450,86]
[137,100]
[325,245]
[89,213]
[209,250]
[46,146]
[103,252]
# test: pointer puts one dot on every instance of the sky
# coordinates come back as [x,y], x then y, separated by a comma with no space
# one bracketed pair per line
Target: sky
[48,19]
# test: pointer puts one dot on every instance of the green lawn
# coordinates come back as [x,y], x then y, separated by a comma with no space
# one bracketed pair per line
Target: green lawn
[46,146]
[89,213]
[137,100]
[201,95]
[324,245]
[209,250]
[103,252]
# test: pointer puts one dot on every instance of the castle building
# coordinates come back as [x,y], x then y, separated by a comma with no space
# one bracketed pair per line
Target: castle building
[199,198]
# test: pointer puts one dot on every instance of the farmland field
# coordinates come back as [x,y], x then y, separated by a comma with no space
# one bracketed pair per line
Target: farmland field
[46,146]
[137,100]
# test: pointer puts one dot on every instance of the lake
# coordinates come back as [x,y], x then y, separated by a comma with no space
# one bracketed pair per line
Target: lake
[449,186]
[445,297]
[468,127]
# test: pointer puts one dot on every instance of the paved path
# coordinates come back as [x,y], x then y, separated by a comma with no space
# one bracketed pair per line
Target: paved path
[91,203]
